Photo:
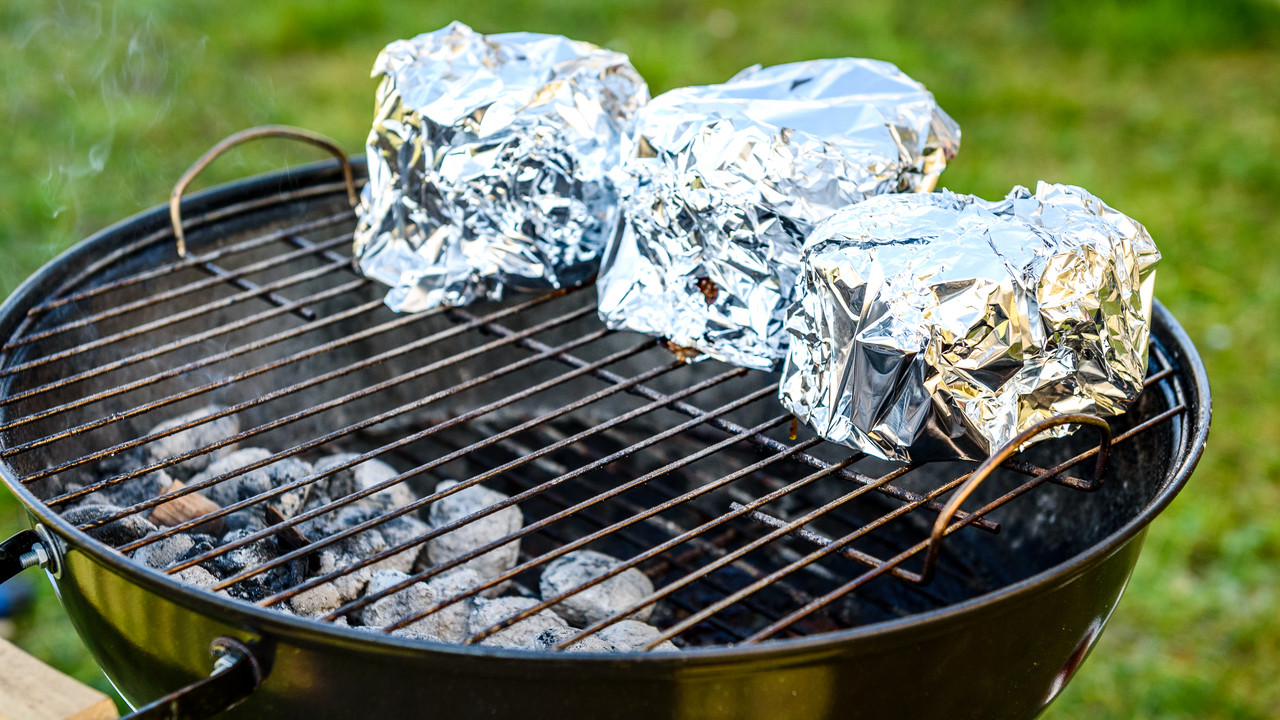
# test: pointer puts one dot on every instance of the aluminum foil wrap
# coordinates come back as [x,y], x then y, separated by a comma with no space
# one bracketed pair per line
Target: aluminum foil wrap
[489,164]
[726,180]
[940,325]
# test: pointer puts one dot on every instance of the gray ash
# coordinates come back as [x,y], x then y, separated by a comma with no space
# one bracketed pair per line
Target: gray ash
[266,534]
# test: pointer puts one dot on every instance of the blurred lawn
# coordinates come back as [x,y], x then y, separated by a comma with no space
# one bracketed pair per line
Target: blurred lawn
[1167,109]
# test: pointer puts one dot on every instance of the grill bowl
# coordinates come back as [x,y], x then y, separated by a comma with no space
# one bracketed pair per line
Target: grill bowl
[1006,648]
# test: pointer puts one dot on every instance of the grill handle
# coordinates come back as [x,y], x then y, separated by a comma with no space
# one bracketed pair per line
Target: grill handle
[21,552]
[254,133]
[995,460]
[238,671]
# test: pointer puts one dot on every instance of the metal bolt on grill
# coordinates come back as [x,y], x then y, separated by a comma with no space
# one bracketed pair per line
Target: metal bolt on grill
[604,441]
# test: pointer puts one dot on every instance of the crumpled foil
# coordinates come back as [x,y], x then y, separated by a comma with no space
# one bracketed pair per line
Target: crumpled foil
[941,325]
[725,181]
[489,164]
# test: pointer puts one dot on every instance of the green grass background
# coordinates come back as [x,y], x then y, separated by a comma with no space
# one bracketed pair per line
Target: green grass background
[1167,109]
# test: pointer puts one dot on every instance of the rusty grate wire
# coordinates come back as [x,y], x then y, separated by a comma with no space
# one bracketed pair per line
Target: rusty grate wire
[603,440]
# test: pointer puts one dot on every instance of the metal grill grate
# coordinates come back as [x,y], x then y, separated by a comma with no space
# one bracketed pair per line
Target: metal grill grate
[603,440]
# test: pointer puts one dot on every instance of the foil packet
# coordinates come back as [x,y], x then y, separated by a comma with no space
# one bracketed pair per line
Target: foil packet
[940,325]
[489,162]
[723,182]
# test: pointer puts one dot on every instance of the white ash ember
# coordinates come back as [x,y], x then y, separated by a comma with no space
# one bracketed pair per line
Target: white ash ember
[336,520]
[375,540]
[191,440]
[350,585]
[476,533]
[523,634]
[551,637]
[448,624]
[117,532]
[249,556]
[199,577]
[165,552]
[623,636]
[396,531]
[633,635]
[360,477]
[253,483]
[600,601]
[319,600]
[139,489]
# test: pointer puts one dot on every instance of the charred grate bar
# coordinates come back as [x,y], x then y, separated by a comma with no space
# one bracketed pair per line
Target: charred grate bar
[599,441]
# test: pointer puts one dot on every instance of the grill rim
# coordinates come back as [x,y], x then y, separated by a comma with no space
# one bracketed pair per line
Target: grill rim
[285,187]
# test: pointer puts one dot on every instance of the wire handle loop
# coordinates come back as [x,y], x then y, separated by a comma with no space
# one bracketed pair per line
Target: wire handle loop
[239,669]
[994,461]
[254,133]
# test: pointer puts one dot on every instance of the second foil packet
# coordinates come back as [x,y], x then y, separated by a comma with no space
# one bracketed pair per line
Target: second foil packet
[723,183]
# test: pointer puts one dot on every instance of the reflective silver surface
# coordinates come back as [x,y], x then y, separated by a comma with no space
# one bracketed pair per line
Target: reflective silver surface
[941,325]
[725,181]
[488,164]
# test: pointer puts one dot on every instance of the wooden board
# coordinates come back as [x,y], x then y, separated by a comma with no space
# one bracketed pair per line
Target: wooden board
[31,690]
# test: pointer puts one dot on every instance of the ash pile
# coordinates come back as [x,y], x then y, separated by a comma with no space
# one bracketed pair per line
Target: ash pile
[364,550]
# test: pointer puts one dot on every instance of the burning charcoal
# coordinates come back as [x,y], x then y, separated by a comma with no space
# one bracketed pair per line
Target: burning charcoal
[416,635]
[289,539]
[375,540]
[280,473]
[350,585]
[258,587]
[476,533]
[523,634]
[228,491]
[405,632]
[633,635]
[364,544]
[249,556]
[164,552]
[549,638]
[191,440]
[448,624]
[197,576]
[360,477]
[398,531]
[255,482]
[318,600]
[397,606]
[200,544]
[137,490]
[232,461]
[598,601]
[449,585]
[337,520]
[115,533]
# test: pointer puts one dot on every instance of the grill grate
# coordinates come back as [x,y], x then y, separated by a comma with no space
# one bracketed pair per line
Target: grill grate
[604,441]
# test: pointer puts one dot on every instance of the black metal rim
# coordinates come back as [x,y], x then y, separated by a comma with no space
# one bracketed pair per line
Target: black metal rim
[267,190]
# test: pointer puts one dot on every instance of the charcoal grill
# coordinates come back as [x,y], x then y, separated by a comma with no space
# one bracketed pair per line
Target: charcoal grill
[798,579]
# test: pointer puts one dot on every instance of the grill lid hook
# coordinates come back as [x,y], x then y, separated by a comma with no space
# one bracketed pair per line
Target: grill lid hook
[940,526]
[254,133]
